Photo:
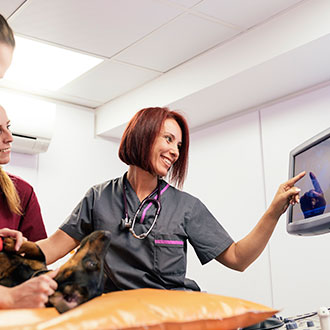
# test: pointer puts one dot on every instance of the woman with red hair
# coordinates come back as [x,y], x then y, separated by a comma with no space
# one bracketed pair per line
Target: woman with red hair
[152,221]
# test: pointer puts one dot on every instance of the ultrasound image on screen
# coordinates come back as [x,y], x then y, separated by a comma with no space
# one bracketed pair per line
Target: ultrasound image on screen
[315,186]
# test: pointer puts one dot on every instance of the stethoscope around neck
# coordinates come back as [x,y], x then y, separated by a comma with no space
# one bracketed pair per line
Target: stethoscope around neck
[128,223]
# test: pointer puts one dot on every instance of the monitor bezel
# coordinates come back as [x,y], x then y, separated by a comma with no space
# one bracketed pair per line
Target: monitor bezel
[316,225]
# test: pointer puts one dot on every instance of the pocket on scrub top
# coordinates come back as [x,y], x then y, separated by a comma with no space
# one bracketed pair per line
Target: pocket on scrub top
[169,254]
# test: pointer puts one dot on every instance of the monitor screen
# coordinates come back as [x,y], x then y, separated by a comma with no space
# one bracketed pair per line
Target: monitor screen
[312,215]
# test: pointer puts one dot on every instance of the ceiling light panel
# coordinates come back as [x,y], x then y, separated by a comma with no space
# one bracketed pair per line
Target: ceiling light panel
[38,65]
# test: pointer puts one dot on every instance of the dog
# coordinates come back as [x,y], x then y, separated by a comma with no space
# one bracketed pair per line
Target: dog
[80,279]
[18,266]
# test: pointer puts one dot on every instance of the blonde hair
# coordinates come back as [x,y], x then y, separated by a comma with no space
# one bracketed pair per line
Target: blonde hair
[6,33]
[6,184]
[10,192]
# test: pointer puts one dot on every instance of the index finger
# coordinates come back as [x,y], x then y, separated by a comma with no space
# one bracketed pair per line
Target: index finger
[14,234]
[6,232]
[52,273]
[19,241]
[296,178]
[315,183]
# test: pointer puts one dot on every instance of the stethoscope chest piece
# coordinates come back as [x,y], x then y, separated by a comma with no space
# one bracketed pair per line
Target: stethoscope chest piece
[125,224]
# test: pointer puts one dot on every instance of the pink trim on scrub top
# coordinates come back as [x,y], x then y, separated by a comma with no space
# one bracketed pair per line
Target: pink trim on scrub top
[165,241]
[148,206]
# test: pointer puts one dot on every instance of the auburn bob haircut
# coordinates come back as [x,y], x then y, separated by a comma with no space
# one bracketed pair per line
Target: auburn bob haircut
[139,137]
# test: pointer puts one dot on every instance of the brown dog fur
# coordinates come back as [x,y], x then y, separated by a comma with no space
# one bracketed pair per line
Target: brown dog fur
[80,279]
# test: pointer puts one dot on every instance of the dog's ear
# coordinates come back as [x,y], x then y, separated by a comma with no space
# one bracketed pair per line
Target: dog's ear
[28,250]
[8,244]
[34,252]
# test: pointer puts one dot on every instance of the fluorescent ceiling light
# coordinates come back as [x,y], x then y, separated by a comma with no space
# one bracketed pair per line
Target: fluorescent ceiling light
[38,65]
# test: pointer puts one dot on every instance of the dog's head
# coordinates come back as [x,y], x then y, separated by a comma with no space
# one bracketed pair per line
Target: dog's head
[19,266]
[81,278]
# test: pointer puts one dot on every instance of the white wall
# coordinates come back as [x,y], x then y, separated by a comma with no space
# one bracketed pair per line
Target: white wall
[226,173]
[74,161]
[300,265]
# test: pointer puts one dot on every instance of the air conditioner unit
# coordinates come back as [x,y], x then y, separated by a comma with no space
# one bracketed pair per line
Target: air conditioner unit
[29,144]
[32,122]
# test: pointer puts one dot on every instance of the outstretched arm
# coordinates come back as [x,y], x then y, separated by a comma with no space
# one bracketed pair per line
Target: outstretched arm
[242,253]
[57,246]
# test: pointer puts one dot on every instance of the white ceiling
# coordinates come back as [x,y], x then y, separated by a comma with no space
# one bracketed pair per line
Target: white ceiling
[210,58]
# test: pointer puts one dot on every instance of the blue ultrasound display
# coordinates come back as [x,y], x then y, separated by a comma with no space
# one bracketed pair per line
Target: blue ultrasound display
[315,186]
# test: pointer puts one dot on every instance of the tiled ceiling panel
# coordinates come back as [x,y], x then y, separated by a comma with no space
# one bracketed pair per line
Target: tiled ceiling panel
[7,7]
[175,43]
[108,80]
[142,42]
[185,3]
[102,27]
[241,12]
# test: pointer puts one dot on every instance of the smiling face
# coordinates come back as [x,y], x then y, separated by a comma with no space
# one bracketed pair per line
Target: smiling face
[5,137]
[165,151]
[6,55]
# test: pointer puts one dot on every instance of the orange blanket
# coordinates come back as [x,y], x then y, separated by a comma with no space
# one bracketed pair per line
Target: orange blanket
[143,309]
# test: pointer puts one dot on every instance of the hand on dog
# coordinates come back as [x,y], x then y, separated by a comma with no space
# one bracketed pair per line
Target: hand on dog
[5,232]
[286,194]
[33,293]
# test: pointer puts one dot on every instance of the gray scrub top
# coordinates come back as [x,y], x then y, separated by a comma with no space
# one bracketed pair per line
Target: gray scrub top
[159,260]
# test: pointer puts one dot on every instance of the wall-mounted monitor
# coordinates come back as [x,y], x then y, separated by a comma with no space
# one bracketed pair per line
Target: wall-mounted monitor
[312,215]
